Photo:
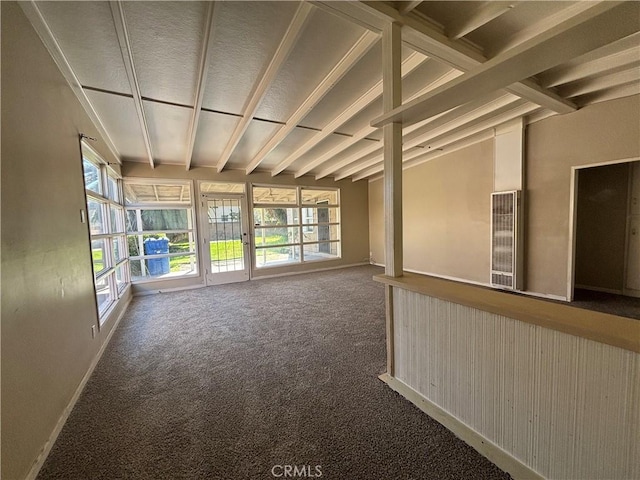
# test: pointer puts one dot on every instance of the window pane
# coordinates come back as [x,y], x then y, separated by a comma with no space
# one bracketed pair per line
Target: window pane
[104,294]
[174,219]
[275,216]
[121,277]
[96,222]
[118,249]
[156,193]
[320,233]
[132,222]
[321,251]
[112,184]
[91,176]
[277,256]
[163,267]
[221,187]
[276,236]
[99,255]
[319,196]
[274,195]
[117,215]
[320,215]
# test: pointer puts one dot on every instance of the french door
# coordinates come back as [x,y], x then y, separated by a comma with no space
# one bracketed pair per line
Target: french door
[225,237]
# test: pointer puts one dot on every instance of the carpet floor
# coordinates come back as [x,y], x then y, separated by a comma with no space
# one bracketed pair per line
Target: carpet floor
[238,381]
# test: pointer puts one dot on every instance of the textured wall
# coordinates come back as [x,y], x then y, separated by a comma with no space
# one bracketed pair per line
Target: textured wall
[446,214]
[565,406]
[48,300]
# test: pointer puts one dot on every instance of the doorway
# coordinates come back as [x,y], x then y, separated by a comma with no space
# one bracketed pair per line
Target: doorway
[607,230]
[225,236]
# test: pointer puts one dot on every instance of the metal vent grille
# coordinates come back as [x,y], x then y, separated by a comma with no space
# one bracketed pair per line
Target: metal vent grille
[504,238]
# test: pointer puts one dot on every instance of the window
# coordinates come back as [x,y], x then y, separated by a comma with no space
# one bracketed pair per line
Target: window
[295,225]
[106,226]
[160,229]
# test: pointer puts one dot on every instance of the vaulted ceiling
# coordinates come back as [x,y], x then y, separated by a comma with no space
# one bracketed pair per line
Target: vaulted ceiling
[293,87]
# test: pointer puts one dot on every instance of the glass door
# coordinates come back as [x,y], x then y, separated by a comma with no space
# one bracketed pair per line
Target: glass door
[225,238]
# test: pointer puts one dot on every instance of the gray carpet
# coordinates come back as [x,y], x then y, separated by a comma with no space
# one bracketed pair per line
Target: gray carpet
[227,382]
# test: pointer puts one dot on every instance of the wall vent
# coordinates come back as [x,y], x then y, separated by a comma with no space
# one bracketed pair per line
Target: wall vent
[506,240]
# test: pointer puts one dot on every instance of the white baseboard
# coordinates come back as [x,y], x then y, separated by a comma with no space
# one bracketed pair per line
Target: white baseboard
[46,449]
[504,460]
[599,289]
[631,293]
[287,274]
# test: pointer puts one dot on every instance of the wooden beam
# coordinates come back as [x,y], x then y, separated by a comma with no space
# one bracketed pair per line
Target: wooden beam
[581,34]
[117,11]
[481,14]
[284,49]
[409,65]
[577,70]
[590,85]
[392,132]
[36,18]
[518,109]
[425,38]
[355,53]
[463,115]
[207,47]
[451,74]
[408,6]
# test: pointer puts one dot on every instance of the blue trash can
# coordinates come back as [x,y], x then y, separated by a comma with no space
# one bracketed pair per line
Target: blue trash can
[157,246]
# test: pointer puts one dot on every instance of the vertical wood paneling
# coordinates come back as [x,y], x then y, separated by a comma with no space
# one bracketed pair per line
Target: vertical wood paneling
[565,406]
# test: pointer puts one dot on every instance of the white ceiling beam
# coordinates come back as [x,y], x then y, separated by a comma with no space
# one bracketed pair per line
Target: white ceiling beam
[451,74]
[257,95]
[425,38]
[575,71]
[355,53]
[410,64]
[207,47]
[589,85]
[36,18]
[430,155]
[117,11]
[518,109]
[408,6]
[610,94]
[482,112]
[481,14]
[587,31]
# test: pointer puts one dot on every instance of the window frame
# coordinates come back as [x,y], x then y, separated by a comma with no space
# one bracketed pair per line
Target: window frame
[191,229]
[108,235]
[302,208]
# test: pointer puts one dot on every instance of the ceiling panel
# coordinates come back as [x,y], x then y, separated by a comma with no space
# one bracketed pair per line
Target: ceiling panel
[324,41]
[362,119]
[354,152]
[246,36]
[172,32]
[168,129]
[87,36]
[332,141]
[289,145]
[118,114]
[423,76]
[214,131]
[257,134]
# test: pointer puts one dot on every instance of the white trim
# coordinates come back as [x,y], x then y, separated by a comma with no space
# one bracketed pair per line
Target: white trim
[599,289]
[482,445]
[262,277]
[46,449]
[144,293]
[573,205]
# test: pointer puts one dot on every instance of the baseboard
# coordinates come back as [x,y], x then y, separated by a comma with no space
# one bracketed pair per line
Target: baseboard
[631,293]
[46,449]
[493,452]
[599,289]
[288,274]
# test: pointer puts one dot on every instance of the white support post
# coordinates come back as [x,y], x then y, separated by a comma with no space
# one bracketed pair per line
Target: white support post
[392,133]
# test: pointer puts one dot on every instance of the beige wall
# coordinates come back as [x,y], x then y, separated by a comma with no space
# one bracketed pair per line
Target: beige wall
[446,214]
[353,203]
[601,226]
[48,302]
[603,132]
